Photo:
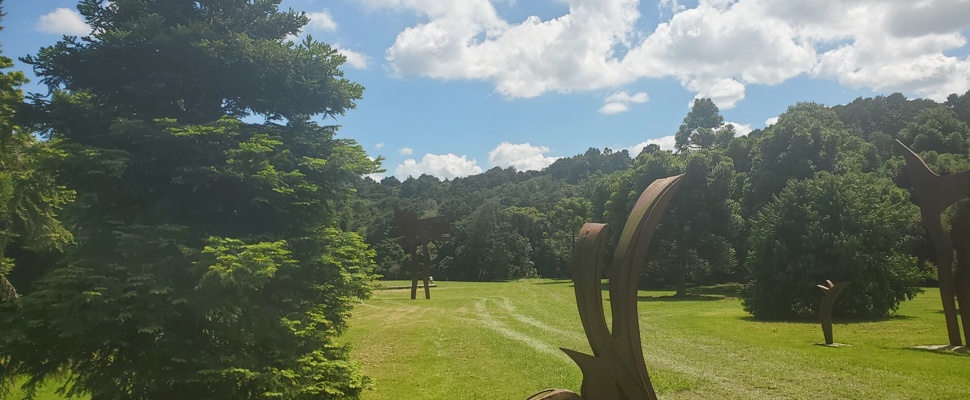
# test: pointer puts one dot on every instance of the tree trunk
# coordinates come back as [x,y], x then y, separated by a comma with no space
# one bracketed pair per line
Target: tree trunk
[681,280]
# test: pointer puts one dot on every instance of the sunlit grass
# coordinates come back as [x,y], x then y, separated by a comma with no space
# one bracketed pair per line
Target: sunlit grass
[501,340]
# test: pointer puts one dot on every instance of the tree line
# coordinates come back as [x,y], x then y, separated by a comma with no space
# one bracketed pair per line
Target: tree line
[812,197]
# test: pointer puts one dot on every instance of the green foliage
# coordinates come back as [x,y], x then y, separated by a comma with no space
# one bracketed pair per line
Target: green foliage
[492,245]
[694,240]
[219,57]
[30,196]
[937,129]
[209,260]
[842,228]
[703,128]
[807,138]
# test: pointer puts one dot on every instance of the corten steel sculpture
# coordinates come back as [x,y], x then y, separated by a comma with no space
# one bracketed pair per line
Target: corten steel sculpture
[933,194]
[616,369]
[825,309]
[417,233]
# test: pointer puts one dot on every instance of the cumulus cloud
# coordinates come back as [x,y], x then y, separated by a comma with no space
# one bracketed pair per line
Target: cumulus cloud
[771,121]
[321,21]
[665,143]
[63,21]
[716,49]
[443,166]
[354,59]
[405,151]
[523,156]
[619,102]
[379,145]
[740,129]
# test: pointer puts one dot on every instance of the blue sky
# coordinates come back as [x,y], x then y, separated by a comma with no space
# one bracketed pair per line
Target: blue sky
[455,87]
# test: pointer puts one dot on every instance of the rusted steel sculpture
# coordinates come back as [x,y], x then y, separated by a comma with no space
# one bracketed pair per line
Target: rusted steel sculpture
[825,309]
[417,233]
[933,194]
[616,369]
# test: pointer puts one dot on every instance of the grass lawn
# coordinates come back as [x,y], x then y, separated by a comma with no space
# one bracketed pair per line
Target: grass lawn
[501,340]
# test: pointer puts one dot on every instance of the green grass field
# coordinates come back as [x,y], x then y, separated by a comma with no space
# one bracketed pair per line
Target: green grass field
[501,340]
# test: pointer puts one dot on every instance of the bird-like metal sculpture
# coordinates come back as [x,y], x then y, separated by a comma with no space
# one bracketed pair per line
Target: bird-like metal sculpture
[417,233]
[616,370]
[933,194]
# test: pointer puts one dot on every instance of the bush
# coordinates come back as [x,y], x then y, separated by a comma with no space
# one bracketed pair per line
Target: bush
[850,227]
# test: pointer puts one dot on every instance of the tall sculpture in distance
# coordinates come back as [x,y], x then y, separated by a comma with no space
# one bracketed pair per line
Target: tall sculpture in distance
[933,194]
[825,309]
[417,233]
[616,370]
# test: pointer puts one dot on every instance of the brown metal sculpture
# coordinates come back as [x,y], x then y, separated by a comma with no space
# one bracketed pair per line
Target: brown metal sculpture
[417,233]
[825,309]
[933,194]
[616,370]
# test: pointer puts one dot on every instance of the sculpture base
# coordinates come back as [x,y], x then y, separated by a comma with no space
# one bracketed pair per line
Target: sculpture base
[945,348]
[833,345]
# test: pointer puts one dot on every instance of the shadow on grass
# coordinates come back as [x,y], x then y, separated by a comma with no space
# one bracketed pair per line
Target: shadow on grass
[958,351]
[725,290]
[689,297]
[836,320]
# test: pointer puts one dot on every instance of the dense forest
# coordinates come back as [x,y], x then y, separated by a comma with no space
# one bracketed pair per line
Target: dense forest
[155,242]
[812,197]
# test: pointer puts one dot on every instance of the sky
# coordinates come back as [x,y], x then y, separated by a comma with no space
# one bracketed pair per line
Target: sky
[456,87]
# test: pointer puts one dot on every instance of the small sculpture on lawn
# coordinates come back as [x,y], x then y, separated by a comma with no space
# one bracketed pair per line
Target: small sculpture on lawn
[416,234]
[825,309]
[616,370]
[933,194]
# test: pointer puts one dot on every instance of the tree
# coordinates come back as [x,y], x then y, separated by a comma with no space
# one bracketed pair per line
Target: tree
[703,128]
[695,238]
[937,129]
[960,105]
[209,261]
[842,228]
[807,138]
[30,196]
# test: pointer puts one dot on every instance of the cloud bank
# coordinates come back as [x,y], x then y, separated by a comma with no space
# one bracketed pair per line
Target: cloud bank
[716,49]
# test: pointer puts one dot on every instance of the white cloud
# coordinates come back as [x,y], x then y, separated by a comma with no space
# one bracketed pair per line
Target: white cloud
[618,102]
[771,121]
[740,129]
[405,151]
[523,156]
[379,145]
[716,49]
[444,166]
[63,21]
[321,21]
[354,59]
[614,108]
[665,143]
